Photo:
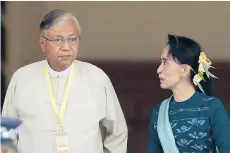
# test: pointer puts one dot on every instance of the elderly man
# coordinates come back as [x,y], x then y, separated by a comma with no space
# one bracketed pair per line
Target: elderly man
[65,104]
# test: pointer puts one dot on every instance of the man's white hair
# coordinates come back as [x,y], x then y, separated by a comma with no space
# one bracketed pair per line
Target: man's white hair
[54,18]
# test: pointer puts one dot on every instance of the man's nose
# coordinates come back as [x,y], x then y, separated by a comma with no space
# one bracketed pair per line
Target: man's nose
[65,46]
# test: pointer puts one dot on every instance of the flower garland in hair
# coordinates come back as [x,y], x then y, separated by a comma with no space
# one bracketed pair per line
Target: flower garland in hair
[204,65]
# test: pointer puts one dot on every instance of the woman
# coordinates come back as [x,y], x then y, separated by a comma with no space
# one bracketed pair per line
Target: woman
[191,120]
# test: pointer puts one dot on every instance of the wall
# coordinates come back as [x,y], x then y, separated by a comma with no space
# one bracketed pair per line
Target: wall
[133,31]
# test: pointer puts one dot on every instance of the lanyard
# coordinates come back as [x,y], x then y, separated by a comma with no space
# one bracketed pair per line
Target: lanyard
[59,115]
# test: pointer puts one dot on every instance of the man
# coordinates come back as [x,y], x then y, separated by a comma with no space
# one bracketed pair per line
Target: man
[65,104]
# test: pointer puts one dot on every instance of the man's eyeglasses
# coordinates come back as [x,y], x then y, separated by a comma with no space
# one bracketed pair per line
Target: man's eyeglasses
[61,41]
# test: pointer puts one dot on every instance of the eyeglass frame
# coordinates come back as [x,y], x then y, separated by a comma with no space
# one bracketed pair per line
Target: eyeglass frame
[63,40]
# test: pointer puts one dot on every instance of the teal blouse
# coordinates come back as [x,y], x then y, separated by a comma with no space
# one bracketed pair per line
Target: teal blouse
[199,124]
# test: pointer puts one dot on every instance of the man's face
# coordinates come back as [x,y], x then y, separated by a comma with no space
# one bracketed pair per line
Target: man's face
[61,43]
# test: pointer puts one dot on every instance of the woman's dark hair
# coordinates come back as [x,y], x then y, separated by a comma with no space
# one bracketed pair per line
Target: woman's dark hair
[187,51]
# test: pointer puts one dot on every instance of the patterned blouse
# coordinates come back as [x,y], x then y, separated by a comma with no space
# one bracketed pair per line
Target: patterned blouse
[199,124]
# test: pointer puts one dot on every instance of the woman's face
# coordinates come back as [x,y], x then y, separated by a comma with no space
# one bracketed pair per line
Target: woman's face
[170,72]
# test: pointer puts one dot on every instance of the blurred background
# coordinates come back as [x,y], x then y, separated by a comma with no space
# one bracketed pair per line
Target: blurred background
[125,39]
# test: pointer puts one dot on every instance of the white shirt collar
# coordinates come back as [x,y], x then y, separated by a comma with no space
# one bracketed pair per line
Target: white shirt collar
[55,74]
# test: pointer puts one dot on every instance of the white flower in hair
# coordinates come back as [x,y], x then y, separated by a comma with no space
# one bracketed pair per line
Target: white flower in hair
[204,60]
[196,80]
[201,69]
[204,65]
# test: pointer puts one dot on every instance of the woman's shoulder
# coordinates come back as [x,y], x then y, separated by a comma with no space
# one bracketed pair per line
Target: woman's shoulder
[211,100]
[213,104]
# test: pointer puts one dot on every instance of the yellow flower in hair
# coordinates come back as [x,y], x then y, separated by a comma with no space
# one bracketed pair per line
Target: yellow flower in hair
[202,56]
[204,60]
[204,65]
[197,78]
[201,69]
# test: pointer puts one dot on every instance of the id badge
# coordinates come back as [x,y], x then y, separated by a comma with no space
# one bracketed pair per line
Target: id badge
[61,142]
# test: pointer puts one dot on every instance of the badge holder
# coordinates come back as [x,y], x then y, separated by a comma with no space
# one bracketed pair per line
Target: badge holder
[61,141]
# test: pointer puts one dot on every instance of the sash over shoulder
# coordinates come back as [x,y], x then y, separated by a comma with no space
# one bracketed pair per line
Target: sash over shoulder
[164,129]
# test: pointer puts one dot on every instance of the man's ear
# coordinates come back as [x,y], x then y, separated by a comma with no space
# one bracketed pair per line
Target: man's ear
[42,44]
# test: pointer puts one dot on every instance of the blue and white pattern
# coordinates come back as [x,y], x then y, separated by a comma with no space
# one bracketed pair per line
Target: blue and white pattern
[191,128]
